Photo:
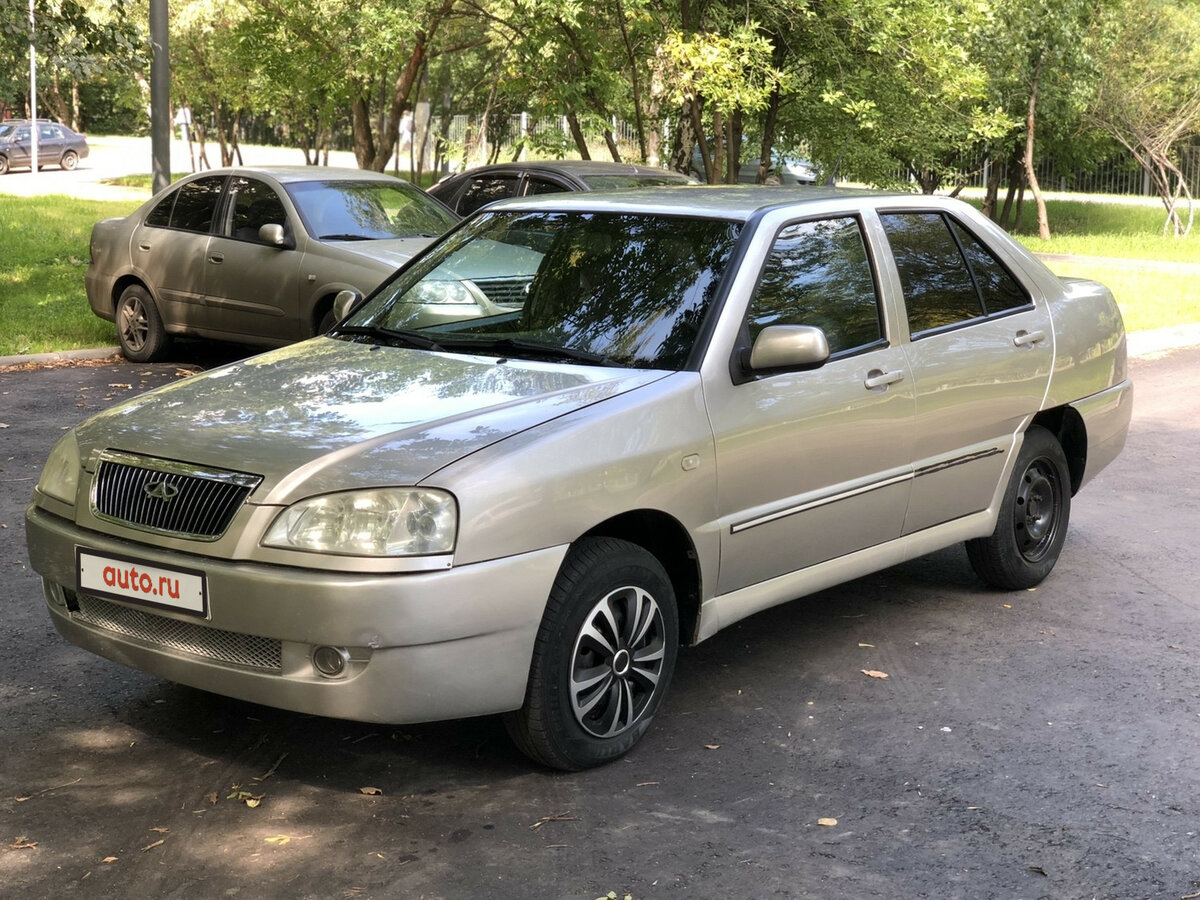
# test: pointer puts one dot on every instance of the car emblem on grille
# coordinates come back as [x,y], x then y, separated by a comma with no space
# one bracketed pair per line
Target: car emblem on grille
[160,490]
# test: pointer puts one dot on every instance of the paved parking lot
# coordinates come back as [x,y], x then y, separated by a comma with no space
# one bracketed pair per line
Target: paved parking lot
[1038,744]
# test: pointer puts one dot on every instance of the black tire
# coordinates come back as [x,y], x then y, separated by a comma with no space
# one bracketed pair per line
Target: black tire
[3,165]
[603,659]
[140,328]
[1034,514]
[70,160]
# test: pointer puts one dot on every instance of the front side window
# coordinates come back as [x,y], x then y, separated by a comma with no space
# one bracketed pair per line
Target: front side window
[602,288]
[818,274]
[252,204]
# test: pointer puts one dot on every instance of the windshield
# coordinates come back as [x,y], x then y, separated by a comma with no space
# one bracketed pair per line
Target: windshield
[604,288]
[368,210]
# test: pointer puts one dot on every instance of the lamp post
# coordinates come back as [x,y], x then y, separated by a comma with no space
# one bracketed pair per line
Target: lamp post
[160,97]
[33,129]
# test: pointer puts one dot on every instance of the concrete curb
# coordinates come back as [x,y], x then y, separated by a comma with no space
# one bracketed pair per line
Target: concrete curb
[59,356]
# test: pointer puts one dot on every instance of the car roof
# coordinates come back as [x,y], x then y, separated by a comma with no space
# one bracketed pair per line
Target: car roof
[577,168]
[294,174]
[725,201]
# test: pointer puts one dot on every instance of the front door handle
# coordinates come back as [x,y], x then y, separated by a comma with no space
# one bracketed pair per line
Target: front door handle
[1028,338]
[216,258]
[877,378]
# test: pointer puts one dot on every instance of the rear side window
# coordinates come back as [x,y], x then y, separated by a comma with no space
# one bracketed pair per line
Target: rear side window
[482,191]
[543,186]
[196,204]
[817,273]
[948,276]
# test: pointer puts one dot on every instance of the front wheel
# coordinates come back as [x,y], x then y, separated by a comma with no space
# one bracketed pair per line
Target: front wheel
[140,328]
[603,657]
[1032,526]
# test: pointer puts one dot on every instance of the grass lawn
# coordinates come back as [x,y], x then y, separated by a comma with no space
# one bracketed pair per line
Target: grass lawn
[45,252]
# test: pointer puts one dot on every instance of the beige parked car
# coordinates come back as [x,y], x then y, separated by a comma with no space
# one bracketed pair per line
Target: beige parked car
[682,408]
[253,255]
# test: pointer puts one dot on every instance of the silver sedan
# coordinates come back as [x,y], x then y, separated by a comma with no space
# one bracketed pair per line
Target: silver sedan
[253,255]
[683,408]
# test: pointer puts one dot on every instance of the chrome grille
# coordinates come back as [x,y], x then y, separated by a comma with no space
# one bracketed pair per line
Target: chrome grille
[231,647]
[168,497]
[508,291]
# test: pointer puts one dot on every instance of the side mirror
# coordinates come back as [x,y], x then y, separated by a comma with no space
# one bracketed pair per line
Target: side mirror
[789,347]
[345,303]
[274,235]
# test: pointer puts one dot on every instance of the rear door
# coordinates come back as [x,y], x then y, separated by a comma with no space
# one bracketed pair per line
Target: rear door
[981,352]
[170,245]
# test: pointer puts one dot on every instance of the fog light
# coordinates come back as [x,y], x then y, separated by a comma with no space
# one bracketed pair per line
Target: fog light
[330,661]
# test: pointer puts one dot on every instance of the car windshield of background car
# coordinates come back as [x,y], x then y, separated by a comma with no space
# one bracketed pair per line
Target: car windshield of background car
[626,289]
[367,210]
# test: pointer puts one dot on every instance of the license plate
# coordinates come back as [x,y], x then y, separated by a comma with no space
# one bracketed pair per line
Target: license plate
[124,578]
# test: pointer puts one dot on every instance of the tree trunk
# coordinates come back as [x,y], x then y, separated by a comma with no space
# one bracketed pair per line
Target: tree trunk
[993,191]
[635,81]
[770,121]
[577,134]
[1030,174]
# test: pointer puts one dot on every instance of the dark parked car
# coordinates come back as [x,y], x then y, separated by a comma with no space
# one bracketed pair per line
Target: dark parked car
[468,191]
[58,145]
[253,255]
[697,405]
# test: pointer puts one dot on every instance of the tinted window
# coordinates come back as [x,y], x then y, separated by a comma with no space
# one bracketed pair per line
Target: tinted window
[817,273]
[253,204]
[542,186]
[368,210]
[938,290]
[1000,291]
[197,203]
[160,216]
[482,191]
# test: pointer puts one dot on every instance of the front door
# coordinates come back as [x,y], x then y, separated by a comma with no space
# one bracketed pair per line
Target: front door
[816,464]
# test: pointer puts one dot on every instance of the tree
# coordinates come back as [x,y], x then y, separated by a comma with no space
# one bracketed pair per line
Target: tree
[1150,99]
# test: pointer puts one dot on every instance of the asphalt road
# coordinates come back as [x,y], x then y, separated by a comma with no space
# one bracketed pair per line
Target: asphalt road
[1027,745]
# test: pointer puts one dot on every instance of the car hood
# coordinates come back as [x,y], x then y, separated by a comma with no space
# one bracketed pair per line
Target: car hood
[392,251]
[328,415]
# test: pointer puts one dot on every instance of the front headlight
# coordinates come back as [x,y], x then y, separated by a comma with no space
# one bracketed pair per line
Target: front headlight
[380,522]
[443,293]
[60,477]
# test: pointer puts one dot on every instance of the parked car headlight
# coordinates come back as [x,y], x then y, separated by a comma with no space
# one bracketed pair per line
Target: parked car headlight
[381,522]
[60,476]
[444,292]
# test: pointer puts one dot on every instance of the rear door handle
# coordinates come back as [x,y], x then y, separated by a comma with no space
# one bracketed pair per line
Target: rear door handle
[217,258]
[1028,338]
[144,245]
[877,378]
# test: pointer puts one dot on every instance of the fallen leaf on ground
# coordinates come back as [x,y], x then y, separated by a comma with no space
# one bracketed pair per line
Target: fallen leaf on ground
[152,846]
[873,673]
[22,843]
[279,839]
[160,830]
[372,791]
[827,822]
[712,746]
[872,646]
[110,859]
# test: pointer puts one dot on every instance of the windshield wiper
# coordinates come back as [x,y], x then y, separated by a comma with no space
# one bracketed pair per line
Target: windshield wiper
[518,346]
[409,338]
[346,237]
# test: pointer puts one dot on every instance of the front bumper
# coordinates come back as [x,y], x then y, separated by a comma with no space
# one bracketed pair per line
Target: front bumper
[420,646]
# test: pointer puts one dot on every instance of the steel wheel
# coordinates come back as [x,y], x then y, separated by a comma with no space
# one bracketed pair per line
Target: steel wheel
[1032,526]
[1037,509]
[617,662]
